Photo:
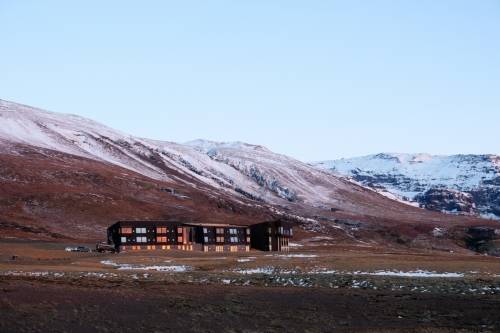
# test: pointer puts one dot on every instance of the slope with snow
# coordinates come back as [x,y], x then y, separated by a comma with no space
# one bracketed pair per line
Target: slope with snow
[243,170]
[60,171]
[467,183]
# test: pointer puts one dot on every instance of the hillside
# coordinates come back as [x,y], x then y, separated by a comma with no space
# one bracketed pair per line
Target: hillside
[466,184]
[64,176]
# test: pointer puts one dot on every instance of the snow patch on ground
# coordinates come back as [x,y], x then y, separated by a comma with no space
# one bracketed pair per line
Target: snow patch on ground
[417,273]
[248,259]
[298,255]
[158,268]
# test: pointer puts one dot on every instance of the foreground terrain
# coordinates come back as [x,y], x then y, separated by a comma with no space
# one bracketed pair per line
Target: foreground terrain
[312,289]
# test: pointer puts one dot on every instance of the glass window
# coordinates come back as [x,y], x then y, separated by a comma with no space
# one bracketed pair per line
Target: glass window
[161,230]
[141,239]
[161,239]
[140,230]
[220,230]
[206,239]
[205,230]
[126,231]
[123,240]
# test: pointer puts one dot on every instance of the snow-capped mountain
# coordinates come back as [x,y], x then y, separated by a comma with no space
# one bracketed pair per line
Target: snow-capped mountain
[457,183]
[241,169]
[62,175]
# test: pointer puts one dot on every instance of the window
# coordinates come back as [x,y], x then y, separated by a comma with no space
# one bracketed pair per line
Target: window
[141,239]
[126,231]
[248,231]
[220,230]
[220,239]
[234,239]
[205,230]
[233,231]
[179,230]
[206,239]
[140,230]
[123,240]
[161,239]
[161,230]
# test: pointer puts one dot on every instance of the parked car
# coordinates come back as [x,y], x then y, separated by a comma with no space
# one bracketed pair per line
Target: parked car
[104,248]
[77,249]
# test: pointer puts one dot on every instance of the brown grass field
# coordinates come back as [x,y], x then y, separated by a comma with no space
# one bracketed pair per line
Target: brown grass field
[312,289]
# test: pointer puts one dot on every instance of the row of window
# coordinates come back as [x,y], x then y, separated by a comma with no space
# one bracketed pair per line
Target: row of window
[159,230]
[163,239]
[164,230]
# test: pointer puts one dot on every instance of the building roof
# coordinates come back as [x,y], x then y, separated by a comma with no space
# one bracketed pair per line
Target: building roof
[155,223]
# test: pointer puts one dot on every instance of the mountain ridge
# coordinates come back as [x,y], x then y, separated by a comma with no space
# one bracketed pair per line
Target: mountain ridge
[60,173]
[418,177]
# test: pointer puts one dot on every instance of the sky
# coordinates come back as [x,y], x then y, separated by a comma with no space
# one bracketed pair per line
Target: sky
[315,80]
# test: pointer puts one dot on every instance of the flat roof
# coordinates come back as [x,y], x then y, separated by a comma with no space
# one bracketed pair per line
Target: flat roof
[163,222]
[198,224]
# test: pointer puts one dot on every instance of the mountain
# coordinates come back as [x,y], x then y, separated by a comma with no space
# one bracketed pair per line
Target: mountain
[64,176]
[467,184]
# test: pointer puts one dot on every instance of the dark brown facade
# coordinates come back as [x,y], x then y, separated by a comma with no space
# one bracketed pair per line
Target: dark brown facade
[165,235]
[271,236]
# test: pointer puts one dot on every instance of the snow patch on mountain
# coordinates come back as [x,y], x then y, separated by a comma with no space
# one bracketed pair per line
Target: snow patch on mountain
[244,170]
[416,177]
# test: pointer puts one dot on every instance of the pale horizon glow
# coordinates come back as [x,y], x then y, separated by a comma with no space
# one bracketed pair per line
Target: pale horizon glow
[315,80]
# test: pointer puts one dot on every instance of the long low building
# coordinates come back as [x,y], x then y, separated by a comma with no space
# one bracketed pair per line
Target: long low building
[167,235]
[164,235]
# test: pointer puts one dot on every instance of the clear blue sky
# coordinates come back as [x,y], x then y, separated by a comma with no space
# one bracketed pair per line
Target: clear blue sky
[311,79]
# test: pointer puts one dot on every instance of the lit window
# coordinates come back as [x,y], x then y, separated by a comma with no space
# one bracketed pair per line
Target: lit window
[140,230]
[123,239]
[161,230]
[205,230]
[220,230]
[141,239]
[126,231]
[161,239]
[206,239]
[233,231]
[179,230]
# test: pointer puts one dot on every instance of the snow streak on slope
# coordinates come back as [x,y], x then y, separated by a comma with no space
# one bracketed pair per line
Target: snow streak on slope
[413,176]
[82,137]
[244,170]
[276,174]
[242,173]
